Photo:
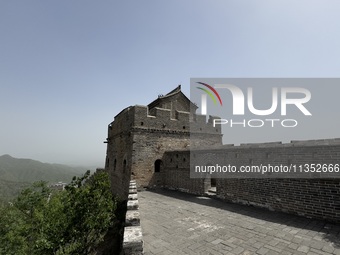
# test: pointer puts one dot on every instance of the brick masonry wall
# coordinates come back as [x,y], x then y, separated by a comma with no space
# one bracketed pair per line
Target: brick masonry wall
[150,146]
[139,137]
[177,173]
[315,198]
[119,152]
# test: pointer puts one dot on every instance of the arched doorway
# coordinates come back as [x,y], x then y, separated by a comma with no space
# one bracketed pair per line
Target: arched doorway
[157,179]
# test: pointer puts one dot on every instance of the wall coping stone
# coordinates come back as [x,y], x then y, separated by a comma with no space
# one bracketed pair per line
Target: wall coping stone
[133,237]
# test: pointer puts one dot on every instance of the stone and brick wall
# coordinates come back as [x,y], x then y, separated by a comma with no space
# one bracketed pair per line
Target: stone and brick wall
[312,197]
[168,132]
[119,152]
[138,137]
[176,174]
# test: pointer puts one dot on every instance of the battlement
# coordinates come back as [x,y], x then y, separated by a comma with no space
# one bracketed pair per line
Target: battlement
[173,113]
[122,121]
[163,119]
[334,141]
[294,143]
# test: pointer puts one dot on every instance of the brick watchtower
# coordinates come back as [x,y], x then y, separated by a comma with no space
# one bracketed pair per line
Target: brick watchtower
[139,136]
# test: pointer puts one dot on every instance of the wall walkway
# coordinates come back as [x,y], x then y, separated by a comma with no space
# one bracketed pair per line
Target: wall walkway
[180,223]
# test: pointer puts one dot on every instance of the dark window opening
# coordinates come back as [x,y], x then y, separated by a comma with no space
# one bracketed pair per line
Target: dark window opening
[213,182]
[107,162]
[158,165]
[114,165]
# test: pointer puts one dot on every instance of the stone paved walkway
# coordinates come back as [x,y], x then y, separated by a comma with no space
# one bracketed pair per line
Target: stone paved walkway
[178,223]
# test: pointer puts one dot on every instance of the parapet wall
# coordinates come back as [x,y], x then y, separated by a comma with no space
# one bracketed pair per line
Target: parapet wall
[313,198]
[316,142]
[310,197]
[133,238]
[295,155]
[162,120]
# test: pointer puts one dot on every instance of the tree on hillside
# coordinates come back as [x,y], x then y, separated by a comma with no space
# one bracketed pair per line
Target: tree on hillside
[89,208]
[73,221]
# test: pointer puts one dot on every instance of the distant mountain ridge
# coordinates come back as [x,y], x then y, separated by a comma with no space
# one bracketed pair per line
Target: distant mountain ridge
[29,170]
[17,174]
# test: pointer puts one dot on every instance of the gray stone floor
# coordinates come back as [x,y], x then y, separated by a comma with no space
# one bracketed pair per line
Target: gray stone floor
[178,223]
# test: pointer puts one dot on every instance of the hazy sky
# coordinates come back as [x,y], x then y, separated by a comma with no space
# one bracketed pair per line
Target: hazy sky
[68,67]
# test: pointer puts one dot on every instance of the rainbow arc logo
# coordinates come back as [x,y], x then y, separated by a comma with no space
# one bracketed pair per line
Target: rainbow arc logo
[210,92]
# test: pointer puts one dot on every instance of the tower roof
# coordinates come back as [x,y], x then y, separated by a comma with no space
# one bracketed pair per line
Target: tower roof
[173,95]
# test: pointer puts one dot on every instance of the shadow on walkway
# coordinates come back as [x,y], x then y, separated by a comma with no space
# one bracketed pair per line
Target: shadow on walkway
[330,231]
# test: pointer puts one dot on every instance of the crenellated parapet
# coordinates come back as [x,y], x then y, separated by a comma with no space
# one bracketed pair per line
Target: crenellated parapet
[293,143]
[139,117]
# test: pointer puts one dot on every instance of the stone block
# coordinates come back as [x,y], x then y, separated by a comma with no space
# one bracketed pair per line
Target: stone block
[132,218]
[133,241]
[132,191]
[133,197]
[132,205]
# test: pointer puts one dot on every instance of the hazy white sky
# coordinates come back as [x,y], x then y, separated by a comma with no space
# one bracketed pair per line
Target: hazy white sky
[68,67]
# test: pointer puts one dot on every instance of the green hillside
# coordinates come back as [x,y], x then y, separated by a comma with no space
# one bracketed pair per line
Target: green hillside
[16,174]
[9,189]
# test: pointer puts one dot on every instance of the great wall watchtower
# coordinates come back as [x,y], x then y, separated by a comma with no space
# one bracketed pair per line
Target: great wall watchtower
[157,144]
[140,135]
